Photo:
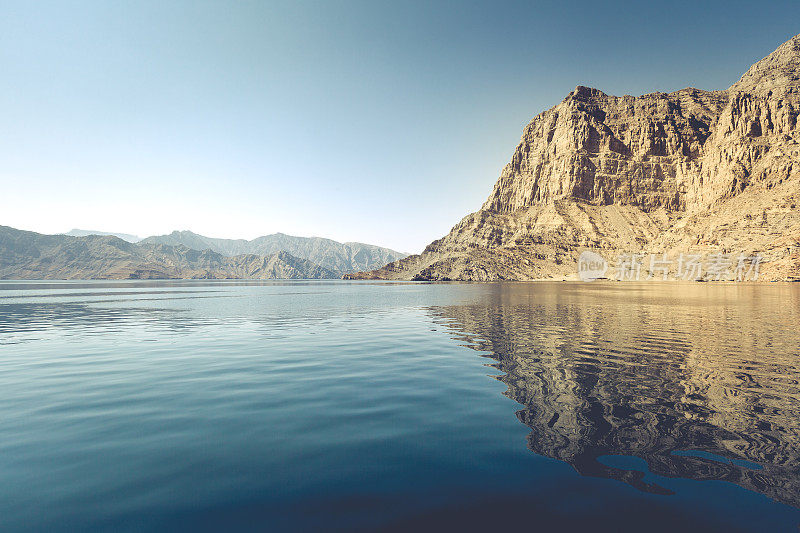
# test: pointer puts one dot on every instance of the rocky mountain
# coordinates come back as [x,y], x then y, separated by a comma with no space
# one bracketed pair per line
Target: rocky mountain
[335,256]
[690,171]
[29,255]
[85,232]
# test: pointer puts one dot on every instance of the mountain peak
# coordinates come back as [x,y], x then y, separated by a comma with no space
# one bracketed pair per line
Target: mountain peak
[582,91]
[779,72]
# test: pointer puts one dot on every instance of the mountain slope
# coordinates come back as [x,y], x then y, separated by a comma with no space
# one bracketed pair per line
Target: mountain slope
[336,256]
[29,255]
[689,171]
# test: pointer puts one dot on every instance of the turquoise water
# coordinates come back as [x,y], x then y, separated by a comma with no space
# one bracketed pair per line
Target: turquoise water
[223,405]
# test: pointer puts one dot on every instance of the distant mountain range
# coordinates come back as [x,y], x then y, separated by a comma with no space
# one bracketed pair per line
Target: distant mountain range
[336,256]
[30,255]
[85,232]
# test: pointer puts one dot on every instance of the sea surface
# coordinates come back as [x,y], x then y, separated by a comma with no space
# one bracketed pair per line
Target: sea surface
[334,405]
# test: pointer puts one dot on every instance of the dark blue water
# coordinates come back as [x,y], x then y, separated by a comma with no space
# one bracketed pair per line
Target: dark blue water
[163,406]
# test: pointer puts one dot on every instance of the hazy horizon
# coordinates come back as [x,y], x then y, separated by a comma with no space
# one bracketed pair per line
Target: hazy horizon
[359,122]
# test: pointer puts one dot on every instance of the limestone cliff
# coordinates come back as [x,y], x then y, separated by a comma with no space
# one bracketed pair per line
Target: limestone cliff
[688,171]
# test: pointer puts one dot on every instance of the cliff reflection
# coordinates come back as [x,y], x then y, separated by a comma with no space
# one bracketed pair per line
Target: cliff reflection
[699,381]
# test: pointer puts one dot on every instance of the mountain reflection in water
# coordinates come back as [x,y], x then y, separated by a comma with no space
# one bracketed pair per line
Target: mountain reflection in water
[699,381]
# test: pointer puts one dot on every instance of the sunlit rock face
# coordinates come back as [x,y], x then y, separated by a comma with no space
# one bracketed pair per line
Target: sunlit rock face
[663,172]
[606,150]
[705,392]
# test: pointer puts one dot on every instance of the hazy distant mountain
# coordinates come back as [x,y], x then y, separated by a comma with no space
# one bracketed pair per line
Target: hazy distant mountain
[30,255]
[85,232]
[336,256]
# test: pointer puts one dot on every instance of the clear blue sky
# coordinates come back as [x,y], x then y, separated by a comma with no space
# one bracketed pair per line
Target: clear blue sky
[380,122]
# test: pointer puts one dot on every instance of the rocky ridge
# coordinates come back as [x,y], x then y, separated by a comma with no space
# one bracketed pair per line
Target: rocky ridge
[690,171]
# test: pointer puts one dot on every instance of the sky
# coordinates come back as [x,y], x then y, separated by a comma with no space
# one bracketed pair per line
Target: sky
[368,121]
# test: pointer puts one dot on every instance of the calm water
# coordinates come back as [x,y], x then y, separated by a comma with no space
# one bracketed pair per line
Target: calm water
[335,405]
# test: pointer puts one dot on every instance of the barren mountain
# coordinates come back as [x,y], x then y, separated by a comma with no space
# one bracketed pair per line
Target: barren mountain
[692,171]
[336,256]
[29,255]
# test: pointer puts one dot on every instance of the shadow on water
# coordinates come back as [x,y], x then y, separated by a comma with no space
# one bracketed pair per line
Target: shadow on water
[700,383]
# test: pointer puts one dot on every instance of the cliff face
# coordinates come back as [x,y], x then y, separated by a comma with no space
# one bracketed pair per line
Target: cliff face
[606,150]
[661,173]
